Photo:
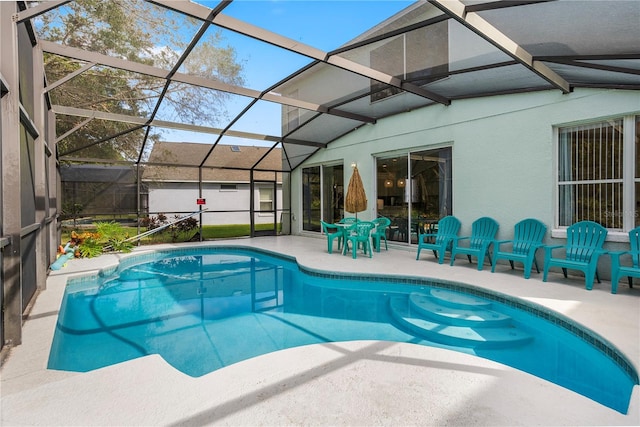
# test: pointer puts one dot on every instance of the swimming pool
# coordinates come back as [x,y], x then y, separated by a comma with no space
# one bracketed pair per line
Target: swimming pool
[203,309]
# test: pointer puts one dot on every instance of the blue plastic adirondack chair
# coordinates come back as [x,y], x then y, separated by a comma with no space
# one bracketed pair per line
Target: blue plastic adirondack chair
[359,233]
[442,240]
[618,270]
[483,231]
[527,239]
[332,232]
[585,240]
[382,224]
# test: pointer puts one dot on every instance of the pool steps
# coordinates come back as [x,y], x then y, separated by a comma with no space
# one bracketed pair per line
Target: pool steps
[434,310]
[456,299]
[455,319]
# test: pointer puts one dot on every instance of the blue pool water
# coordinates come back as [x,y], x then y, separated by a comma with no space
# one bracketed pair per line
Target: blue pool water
[203,309]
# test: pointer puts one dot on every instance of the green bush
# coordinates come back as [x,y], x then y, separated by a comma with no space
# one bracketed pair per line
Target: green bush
[180,231]
[106,236]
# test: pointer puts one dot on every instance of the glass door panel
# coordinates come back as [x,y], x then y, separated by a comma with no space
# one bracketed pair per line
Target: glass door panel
[332,193]
[414,192]
[393,195]
[311,199]
[430,189]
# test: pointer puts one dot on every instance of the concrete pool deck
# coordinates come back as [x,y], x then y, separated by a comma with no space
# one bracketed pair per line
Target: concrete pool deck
[347,383]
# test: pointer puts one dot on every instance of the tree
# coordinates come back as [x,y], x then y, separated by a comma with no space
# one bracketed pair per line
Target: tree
[141,32]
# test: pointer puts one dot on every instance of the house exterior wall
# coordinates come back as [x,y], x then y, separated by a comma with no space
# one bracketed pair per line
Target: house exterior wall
[224,206]
[502,148]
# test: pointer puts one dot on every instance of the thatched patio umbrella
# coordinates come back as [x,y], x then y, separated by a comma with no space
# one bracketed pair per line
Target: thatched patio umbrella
[356,199]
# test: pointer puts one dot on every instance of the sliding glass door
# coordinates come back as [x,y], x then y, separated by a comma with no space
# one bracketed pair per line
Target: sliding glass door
[311,199]
[393,192]
[431,188]
[414,191]
[332,193]
[322,195]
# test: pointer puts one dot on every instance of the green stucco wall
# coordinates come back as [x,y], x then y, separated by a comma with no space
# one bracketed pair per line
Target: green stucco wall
[503,150]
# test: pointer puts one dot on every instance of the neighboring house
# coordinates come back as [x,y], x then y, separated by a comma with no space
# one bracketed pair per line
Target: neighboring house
[173,174]
[557,157]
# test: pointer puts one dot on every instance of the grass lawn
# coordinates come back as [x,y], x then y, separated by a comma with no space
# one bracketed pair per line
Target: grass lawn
[209,232]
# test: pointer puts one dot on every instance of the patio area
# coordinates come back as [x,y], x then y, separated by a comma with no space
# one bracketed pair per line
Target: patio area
[347,383]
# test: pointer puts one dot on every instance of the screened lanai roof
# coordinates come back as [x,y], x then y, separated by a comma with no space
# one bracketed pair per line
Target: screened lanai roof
[313,71]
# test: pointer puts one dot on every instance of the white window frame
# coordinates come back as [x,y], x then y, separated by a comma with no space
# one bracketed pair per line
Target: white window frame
[261,191]
[628,177]
[228,187]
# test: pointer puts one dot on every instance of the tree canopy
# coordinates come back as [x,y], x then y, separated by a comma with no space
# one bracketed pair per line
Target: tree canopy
[140,32]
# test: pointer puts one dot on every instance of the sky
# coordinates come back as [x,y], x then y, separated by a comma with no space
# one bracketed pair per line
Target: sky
[325,25]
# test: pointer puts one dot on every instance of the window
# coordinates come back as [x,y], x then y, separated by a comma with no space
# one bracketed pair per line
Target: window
[266,199]
[598,177]
[228,187]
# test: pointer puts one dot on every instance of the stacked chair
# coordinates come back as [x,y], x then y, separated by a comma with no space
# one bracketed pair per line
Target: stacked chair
[359,234]
[332,232]
[382,225]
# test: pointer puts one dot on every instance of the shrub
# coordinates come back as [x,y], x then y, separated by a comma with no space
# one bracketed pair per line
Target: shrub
[177,231]
[109,236]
